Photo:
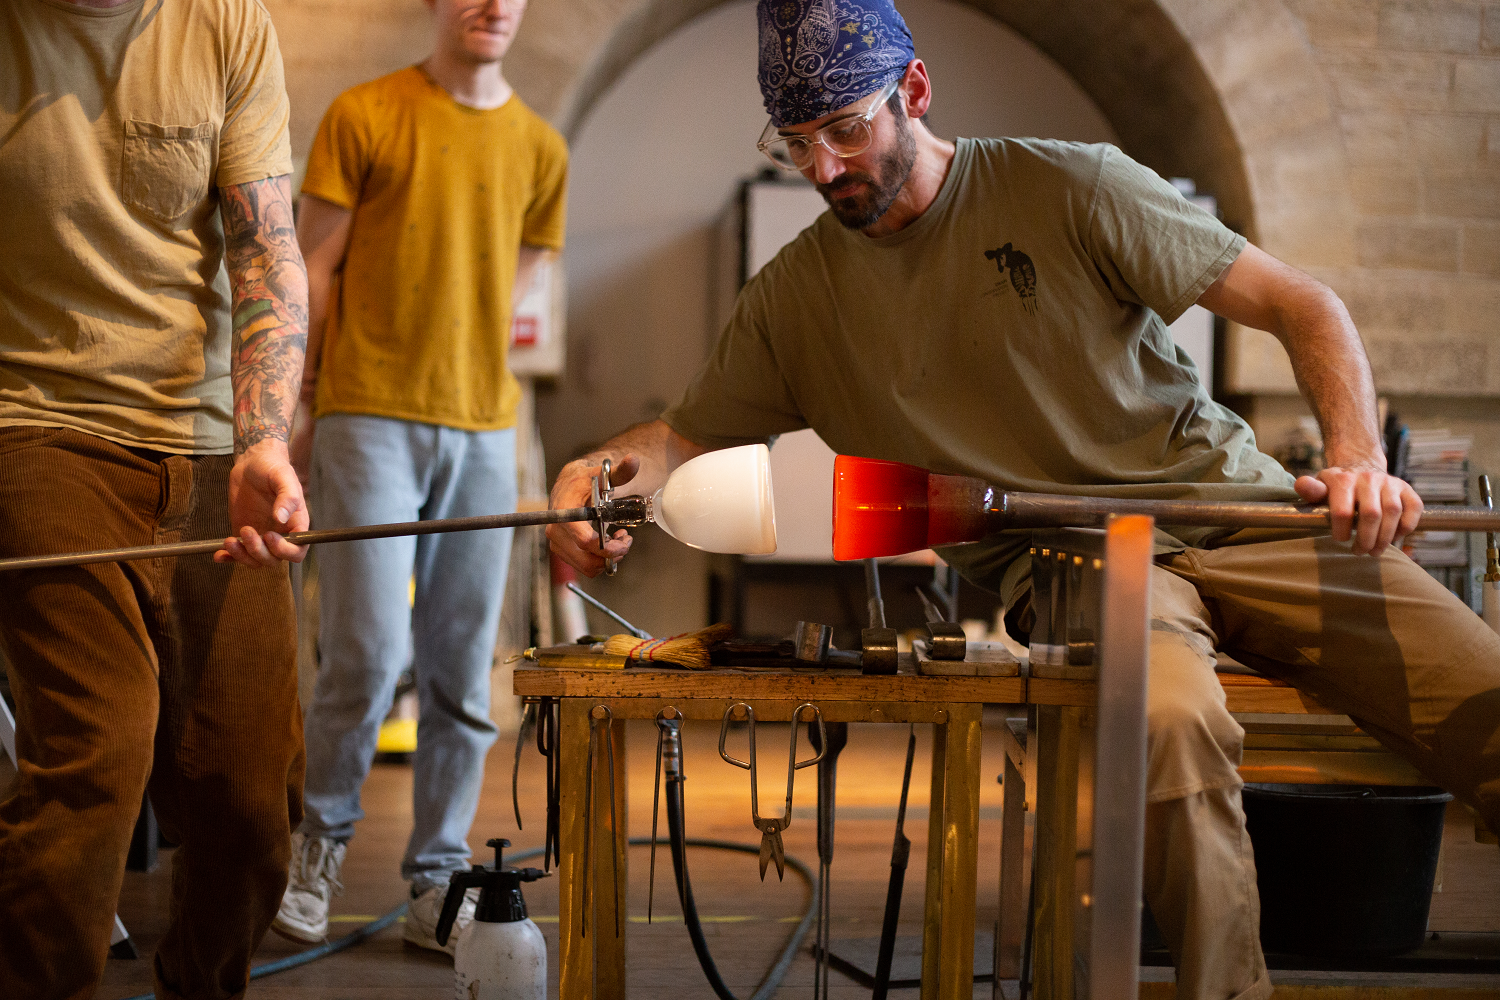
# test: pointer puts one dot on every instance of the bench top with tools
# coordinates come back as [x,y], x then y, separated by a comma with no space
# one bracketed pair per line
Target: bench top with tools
[1246,693]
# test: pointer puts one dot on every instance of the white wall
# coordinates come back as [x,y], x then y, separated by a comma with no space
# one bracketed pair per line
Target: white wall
[654,167]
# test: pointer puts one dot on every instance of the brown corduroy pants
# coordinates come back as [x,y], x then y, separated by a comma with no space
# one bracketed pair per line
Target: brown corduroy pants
[182,671]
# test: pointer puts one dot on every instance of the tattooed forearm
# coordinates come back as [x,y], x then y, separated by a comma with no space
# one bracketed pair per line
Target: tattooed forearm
[269,282]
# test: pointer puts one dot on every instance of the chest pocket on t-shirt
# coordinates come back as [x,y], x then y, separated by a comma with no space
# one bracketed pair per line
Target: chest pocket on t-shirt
[167,168]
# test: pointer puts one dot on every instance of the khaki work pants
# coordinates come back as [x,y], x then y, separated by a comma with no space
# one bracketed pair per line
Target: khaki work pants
[1375,638]
[180,670]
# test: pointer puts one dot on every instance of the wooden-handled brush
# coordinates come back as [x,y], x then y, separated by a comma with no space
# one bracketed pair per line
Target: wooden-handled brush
[887,508]
[687,650]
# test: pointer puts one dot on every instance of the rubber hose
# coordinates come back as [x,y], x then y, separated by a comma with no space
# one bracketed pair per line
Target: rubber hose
[676,830]
[768,985]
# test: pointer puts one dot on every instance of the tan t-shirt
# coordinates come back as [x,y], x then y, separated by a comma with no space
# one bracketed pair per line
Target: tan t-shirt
[443,196]
[1015,332]
[117,126]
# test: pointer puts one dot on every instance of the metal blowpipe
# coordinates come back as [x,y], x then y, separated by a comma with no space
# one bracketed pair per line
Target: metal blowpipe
[607,511]
[885,508]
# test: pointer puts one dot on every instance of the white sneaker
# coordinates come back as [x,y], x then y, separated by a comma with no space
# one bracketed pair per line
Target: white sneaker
[312,877]
[422,918]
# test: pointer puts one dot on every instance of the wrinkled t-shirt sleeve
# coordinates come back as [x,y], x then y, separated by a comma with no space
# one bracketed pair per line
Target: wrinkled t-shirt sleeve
[547,216]
[739,396]
[254,142]
[1152,245]
[339,158]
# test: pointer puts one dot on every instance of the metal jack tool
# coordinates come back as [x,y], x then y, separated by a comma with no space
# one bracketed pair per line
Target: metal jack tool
[828,768]
[600,718]
[877,642]
[770,827]
[900,854]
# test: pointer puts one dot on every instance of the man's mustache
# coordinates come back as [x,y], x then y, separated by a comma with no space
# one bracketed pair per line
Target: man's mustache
[846,181]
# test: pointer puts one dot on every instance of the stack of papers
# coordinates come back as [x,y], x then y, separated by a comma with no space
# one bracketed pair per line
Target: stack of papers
[1437,466]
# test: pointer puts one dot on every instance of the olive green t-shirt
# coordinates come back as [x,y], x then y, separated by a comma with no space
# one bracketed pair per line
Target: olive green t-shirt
[117,127]
[1016,331]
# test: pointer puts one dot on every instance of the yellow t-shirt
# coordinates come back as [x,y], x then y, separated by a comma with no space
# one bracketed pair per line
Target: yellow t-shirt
[117,126]
[443,196]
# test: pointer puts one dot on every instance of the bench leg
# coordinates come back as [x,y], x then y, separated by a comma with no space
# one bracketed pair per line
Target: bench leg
[1057,748]
[590,967]
[952,857]
[1015,876]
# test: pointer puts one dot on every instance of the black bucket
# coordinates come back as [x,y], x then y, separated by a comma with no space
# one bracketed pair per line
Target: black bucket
[1344,869]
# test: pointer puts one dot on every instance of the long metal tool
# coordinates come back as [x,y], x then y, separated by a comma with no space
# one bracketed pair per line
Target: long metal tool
[888,508]
[321,536]
[607,512]
[639,633]
[668,731]
[837,737]
[546,745]
[900,855]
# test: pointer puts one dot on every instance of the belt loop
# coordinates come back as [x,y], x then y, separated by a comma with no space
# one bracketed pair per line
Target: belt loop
[177,505]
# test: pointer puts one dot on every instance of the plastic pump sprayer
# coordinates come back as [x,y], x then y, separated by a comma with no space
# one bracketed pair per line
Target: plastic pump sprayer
[501,955]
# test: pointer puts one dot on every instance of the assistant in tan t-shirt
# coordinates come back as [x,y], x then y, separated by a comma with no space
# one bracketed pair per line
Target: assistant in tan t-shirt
[119,125]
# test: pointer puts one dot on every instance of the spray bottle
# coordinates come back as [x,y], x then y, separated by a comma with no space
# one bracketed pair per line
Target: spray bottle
[1490,587]
[501,955]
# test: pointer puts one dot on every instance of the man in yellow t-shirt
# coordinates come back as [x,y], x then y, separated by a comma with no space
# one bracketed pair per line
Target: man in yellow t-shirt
[432,193]
[153,317]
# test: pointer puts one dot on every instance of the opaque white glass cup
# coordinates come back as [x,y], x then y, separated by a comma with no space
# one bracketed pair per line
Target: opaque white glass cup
[721,502]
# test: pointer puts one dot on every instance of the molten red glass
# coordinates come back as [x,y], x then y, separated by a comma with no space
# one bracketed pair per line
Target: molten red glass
[885,508]
[879,508]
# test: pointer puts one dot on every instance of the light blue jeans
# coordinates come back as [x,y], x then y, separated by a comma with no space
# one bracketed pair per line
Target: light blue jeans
[374,470]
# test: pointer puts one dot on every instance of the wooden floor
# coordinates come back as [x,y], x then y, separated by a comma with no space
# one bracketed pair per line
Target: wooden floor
[747,922]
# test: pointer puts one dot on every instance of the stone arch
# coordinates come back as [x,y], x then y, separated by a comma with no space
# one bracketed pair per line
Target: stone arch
[1225,91]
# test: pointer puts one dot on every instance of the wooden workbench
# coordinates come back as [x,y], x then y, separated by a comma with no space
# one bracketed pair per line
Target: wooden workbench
[594,966]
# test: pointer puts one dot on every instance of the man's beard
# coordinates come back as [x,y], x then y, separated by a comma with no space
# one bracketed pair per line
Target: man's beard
[859,211]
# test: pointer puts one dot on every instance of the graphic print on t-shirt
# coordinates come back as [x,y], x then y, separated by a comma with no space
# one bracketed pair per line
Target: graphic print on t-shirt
[1022,274]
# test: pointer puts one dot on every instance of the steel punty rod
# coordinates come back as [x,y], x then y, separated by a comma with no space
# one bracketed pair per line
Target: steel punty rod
[323,535]
[1007,510]
[1047,510]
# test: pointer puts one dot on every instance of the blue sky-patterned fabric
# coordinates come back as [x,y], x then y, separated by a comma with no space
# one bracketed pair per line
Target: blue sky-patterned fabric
[818,55]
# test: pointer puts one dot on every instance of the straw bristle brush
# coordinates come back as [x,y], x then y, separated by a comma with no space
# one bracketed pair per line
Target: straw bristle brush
[687,650]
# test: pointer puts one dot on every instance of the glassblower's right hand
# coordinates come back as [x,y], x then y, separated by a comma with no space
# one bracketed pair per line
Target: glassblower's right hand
[577,542]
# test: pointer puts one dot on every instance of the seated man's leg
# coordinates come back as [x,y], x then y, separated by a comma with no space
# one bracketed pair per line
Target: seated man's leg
[460,583]
[82,664]
[366,470]
[1376,638]
[1200,870]
[227,784]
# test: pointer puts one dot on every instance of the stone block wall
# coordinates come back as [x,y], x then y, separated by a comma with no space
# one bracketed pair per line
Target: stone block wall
[1414,89]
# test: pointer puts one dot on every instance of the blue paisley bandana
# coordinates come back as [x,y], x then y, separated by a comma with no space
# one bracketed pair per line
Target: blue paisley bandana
[816,56]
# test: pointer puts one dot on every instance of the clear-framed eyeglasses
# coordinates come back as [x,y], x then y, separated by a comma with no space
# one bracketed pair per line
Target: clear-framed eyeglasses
[843,138]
